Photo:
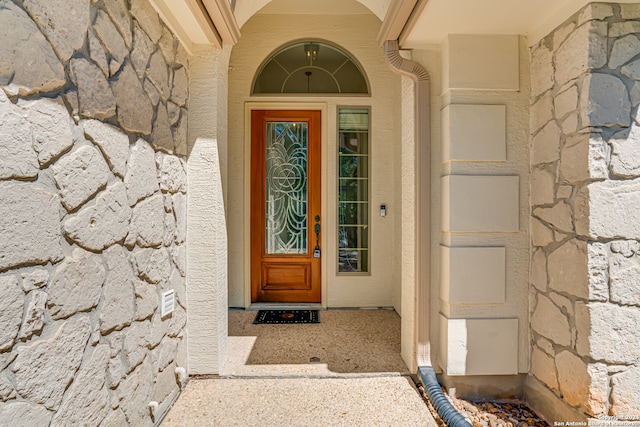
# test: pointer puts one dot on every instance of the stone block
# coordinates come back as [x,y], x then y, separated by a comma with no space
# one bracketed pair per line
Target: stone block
[143,47]
[159,328]
[598,271]
[158,73]
[63,22]
[136,343]
[34,314]
[473,275]
[180,135]
[541,112]
[135,111]
[7,391]
[570,124]
[624,49]
[566,102]
[118,301]
[97,53]
[35,279]
[26,57]
[548,321]
[76,284]
[543,367]
[119,13]
[29,225]
[610,323]
[173,110]
[165,384]
[103,223]
[147,223]
[95,97]
[166,352]
[630,11]
[161,136]
[87,400]
[573,378]
[543,183]
[599,11]
[50,126]
[625,399]
[480,203]
[558,216]
[152,265]
[11,313]
[180,210]
[605,200]
[23,414]
[171,174]
[545,147]
[541,70]
[538,275]
[180,88]
[625,153]
[598,401]
[110,37]
[18,159]
[617,29]
[167,45]
[481,62]
[134,393]
[585,49]
[79,175]
[112,142]
[147,18]
[567,267]
[141,178]
[44,369]
[604,101]
[541,235]
[474,133]
[624,272]
[146,300]
[470,346]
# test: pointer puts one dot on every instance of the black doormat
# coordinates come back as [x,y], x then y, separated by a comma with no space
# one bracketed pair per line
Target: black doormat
[286,316]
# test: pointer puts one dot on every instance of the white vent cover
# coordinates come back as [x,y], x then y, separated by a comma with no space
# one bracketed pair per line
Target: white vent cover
[168,302]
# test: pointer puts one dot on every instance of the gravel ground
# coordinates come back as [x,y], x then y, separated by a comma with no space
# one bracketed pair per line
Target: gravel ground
[504,413]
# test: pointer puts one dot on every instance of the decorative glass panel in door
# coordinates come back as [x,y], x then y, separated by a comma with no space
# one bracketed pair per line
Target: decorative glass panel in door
[285,206]
[286,180]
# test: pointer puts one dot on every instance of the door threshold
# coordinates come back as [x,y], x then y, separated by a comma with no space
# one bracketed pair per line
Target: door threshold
[285,306]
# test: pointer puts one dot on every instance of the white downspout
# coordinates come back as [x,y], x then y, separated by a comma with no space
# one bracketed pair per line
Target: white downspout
[422,82]
[426,373]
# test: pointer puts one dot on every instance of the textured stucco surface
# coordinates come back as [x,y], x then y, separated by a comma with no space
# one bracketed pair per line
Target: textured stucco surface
[481,231]
[356,34]
[92,195]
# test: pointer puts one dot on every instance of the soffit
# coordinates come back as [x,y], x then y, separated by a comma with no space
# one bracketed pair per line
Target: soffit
[532,18]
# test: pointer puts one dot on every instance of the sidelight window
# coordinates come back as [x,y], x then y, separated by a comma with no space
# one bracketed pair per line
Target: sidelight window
[353,190]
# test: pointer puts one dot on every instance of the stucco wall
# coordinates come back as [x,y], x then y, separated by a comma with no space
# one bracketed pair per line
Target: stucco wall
[92,212]
[480,211]
[584,208]
[356,34]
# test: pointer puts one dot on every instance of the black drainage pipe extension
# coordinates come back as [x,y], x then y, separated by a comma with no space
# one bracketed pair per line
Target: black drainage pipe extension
[445,409]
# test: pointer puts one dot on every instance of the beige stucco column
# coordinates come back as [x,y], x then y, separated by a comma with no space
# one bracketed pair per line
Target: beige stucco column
[206,225]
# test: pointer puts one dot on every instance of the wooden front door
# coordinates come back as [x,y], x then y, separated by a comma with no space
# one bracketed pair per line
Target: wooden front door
[285,206]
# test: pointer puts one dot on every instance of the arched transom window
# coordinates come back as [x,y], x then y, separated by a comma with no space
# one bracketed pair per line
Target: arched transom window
[310,67]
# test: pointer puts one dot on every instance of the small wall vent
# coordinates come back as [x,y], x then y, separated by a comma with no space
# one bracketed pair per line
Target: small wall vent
[168,302]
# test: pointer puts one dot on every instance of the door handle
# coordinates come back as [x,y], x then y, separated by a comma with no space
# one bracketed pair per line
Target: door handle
[316,228]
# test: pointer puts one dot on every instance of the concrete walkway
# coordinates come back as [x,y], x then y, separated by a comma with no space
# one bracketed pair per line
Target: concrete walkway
[344,371]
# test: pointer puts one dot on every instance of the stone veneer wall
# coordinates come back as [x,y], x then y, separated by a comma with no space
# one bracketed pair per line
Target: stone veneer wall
[585,201]
[93,121]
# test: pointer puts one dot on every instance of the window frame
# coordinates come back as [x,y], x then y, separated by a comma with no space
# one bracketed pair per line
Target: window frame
[339,108]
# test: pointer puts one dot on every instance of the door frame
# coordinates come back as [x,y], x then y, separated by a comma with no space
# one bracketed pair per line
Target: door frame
[275,105]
